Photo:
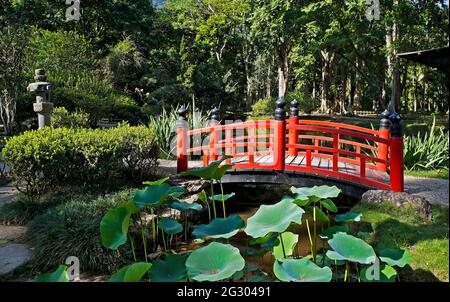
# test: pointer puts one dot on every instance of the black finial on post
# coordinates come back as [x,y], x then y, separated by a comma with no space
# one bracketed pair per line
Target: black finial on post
[396,128]
[384,122]
[280,113]
[182,117]
[215,114]
[294,108]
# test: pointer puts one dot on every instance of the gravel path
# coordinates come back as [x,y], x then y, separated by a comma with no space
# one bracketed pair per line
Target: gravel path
[433,190]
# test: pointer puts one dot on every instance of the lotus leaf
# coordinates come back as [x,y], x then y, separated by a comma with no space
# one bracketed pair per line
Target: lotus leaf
[170,226]
[59,275]
[131,273]
[219,228]
[395,257]
[348,217]
[387,274]
[155,195]
[184,206]
[321,192]
[328,233]
[350,248]
[211,172]
[114,227]
[289,242]
[302,270]
[214,262]
[273,218]
[171,269]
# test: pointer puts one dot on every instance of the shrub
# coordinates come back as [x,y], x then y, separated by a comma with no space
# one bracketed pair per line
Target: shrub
[428,151]
[306,104]
[264,107]
[62,118]
[52,158]
[72,229]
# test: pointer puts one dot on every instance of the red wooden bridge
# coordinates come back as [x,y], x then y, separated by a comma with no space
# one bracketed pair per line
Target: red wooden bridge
[317,151]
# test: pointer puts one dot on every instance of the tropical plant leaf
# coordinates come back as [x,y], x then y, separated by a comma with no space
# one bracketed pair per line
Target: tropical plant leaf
[156,195]
[328,233]
[59,275]
[171,269]
[301,270]
[349,248]
[184,206]
[289,241]
[225,197]
[273,218]
[114,227]
[214,262]
[329,205]
[386,274]
[170,226]
[157,182]
[321,192]
[395,257]
[131,273]
[211,172]
[348,217]
[219,228]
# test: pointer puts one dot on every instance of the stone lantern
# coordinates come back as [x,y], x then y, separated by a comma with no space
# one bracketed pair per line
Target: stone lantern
[42,107]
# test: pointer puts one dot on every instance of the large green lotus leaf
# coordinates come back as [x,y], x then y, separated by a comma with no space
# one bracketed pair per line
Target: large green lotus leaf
[214,262]
[155,195]
[225,197]
[131,273]
[219,228]
[301,270]
[114,227]
[350,248]
[170,226]
[328,233]
[273,218]
[289,242]
[329,205]
[323,260]
[297,199]
[387,274]
[211,172]
[348,217]
[171,269]
[321,192]
[157,182]
[60,275]
[395,257]
[184,206]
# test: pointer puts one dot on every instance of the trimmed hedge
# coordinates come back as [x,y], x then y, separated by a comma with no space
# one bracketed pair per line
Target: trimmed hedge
[46,159]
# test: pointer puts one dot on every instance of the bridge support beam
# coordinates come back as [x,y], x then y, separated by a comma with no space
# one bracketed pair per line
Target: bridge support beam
[293,133]
[182,140]
[396,156]
[384,131]
[279,137]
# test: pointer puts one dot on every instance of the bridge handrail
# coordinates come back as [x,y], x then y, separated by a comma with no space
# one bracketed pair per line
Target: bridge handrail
[385,146]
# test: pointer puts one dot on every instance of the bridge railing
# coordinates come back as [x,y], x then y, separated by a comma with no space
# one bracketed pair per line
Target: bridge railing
[353,153]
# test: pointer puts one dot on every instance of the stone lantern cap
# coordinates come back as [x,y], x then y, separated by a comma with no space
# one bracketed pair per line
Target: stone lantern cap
[41,84]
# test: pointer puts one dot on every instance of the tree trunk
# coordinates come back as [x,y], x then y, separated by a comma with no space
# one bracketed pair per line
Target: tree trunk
[326,80]
[283,71]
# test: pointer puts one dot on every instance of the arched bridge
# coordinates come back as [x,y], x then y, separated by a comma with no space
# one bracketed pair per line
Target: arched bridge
[296,151]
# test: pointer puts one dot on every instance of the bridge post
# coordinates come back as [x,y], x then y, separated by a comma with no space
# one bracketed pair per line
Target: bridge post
[384,131]
[182,140]
[214,135]
[279,136]
[396,156]
[293,133]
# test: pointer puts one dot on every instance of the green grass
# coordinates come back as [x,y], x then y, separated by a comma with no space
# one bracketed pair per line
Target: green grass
[440,173]
[404,228]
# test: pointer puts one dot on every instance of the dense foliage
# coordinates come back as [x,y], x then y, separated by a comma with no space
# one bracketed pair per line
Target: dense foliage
[329,54]
[51,158]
